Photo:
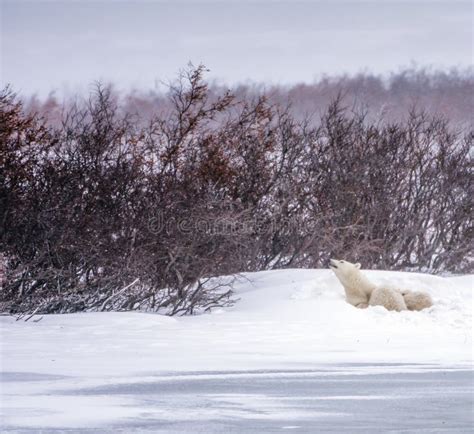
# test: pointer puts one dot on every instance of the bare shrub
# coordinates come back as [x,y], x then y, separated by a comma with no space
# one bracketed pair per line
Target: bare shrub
[108,212]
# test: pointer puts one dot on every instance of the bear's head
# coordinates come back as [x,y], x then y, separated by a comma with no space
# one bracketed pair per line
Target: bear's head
[344,270]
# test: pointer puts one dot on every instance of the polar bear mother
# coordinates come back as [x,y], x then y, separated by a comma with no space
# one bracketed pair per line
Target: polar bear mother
[361,292]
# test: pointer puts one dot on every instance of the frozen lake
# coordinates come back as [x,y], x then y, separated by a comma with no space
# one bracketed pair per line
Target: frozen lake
[346,399]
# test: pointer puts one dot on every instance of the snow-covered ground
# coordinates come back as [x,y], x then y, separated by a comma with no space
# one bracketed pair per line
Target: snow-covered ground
[291,350]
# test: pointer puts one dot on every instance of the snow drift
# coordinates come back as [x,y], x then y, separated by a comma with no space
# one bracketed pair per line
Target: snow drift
[282,319]
[109,369]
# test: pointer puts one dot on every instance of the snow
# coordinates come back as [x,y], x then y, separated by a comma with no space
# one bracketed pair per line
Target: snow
[288,326]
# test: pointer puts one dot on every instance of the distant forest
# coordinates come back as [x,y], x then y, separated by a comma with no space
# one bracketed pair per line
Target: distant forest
[442,93]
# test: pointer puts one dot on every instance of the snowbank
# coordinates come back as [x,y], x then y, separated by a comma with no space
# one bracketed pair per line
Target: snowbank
[285,319]
[281,355]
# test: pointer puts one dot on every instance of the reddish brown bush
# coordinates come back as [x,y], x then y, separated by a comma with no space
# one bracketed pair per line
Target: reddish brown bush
[107,211]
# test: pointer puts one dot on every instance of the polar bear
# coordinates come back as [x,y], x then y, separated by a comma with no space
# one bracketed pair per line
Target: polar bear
[357,287]
[416,300]
[389,298]
[361,292]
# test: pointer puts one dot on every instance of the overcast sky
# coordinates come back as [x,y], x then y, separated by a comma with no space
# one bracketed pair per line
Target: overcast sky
[66,45]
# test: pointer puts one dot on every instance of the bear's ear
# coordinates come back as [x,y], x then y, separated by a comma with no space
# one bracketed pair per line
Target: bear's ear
[357,265]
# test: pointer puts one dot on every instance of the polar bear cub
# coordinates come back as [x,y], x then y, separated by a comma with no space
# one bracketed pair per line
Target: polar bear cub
[361,292]
[389,298]
[416,300]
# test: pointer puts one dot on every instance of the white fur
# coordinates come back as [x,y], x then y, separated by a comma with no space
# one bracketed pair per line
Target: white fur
[389,298]
[361,292]
[357,287]
[417,300]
